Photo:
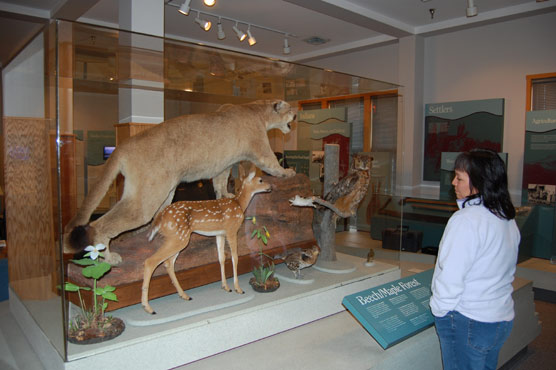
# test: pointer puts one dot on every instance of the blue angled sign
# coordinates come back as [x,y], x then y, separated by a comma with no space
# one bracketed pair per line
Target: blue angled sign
[394,311]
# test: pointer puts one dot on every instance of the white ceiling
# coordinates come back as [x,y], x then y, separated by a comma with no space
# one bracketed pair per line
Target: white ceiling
[348,25]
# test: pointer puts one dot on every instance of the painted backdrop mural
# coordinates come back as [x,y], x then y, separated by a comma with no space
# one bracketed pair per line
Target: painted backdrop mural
[317,127]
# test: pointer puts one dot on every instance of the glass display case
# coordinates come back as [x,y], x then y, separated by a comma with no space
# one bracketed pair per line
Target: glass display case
[88,88]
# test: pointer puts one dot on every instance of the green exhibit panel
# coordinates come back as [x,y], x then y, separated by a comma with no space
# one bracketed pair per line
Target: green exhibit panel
[537,232]
[394,311]
[537,221]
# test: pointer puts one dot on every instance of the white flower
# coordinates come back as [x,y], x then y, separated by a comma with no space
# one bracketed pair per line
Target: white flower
[94,252]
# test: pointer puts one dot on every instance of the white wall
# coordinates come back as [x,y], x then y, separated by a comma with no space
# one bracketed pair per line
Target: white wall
[23,82]
[480,63]
[380,63]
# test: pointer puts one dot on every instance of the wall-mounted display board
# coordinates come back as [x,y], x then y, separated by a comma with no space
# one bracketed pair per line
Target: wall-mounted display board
[447,173]
[317,127]
[394,311]
[538,228]
[539,161]
[458,127]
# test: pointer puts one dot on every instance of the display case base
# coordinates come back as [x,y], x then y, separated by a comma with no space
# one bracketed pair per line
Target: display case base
[322,334]
[173,337]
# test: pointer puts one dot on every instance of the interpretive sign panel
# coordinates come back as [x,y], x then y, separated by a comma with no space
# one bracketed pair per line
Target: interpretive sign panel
[317,127]
[394,311]
[458,127]
[539,160]
[299,160]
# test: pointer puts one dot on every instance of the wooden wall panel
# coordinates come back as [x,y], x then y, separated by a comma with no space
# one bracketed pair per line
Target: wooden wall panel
[125,130]
[31,250]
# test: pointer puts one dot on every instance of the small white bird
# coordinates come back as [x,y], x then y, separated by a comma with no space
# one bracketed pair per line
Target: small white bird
[302,202]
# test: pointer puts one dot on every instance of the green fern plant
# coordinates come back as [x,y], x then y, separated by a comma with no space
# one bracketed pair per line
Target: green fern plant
[95,269]
[264,271]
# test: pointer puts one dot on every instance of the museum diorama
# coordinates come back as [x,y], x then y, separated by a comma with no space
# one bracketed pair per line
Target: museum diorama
[174,191]
[163,166]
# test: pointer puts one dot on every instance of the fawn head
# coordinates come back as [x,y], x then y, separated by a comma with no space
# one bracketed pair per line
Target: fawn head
[253,184]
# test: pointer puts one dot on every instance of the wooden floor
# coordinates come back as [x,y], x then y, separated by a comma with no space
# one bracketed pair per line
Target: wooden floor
[360,239]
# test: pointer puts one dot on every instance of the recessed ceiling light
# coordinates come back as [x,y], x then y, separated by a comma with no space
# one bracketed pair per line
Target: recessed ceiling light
[316,40]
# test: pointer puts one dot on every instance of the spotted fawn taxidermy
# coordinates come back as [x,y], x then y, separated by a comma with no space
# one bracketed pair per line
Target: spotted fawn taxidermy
[221,218]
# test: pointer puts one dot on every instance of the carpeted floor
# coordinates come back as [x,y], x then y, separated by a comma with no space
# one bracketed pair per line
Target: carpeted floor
[3,279]
[541,353]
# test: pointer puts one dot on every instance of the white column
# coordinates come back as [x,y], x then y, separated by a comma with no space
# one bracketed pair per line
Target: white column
[410,143]
[141,61]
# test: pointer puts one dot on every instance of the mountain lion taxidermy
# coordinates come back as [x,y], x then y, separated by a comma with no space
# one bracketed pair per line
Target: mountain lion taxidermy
[182,149]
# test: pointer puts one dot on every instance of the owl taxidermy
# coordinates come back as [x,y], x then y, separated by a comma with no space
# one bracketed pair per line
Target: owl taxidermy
[341,201]
[352,188]
[346,195]
[297,259]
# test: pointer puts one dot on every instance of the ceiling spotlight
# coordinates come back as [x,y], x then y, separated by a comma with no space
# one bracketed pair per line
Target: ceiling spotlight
[210,2]
[252,41]
[204,24]
[240,34]
[184,8]
[286,46]
[221,34]
[471,9]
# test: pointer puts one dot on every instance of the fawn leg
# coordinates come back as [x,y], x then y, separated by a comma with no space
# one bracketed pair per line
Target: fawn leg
[169,248]
[220,243]
[149,266]
[232,240]
[169,264]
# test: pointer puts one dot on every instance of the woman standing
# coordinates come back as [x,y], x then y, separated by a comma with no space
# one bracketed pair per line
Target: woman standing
[472,282]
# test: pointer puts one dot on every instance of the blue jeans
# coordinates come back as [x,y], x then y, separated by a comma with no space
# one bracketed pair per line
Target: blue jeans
[467,344]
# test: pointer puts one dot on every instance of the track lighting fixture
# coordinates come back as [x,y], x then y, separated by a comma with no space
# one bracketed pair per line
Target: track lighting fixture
[204,24]
[240,34]
[286,46]
[184,8]
[221,34]
[471,9]
[252,41]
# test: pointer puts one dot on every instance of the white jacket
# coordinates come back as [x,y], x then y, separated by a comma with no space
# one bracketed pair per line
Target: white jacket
[475,267]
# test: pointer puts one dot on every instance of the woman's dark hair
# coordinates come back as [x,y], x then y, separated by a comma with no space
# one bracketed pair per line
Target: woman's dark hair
[487,174]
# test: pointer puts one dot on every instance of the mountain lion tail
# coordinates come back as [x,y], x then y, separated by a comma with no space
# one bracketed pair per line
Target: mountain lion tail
[78,232]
